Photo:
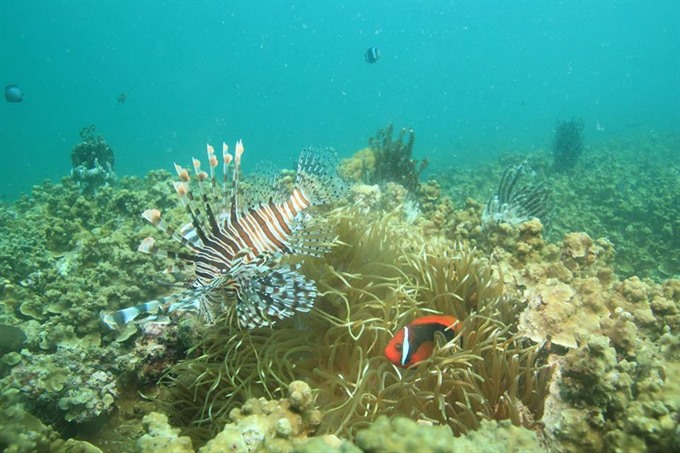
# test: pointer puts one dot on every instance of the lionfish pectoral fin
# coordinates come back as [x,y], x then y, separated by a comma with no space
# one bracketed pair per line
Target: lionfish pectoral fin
[272,295]
[318,177]
[153,310]
[311,236]
[115,320]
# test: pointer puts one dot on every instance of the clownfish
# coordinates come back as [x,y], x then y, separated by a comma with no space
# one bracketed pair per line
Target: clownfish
[414,342]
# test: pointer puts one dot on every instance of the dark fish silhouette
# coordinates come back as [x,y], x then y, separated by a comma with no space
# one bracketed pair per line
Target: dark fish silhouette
[122,97]
[372,55]
[13,93]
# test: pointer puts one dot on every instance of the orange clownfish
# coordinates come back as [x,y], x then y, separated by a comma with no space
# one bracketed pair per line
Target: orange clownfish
[414,342]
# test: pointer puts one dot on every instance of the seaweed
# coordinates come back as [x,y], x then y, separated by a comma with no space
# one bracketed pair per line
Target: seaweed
[567,144]
[393,160]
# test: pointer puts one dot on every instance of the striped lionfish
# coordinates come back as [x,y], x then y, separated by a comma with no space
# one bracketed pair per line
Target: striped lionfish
[237,252]
[522,194]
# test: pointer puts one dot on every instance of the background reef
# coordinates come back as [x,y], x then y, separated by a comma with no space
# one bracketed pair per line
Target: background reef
[569,338]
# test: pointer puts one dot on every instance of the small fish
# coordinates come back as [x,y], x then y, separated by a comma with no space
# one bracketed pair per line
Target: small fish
[372,55]
[13,93]
[122,97]
[414,342]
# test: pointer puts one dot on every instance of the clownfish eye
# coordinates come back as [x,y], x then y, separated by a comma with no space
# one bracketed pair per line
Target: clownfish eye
[398,347]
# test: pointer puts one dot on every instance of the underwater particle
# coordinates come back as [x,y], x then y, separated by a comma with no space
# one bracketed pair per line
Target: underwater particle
[414,342]
[13,94]
[372,55]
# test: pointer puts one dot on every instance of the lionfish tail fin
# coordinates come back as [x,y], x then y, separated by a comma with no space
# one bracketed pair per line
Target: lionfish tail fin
[318,177]
[267,295]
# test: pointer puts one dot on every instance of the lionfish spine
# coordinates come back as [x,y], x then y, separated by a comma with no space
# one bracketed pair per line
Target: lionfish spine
[237,253]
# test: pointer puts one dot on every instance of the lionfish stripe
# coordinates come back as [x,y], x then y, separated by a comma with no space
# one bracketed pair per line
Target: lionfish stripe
[299,201]
[270,226]
[148,245]
[268,229]
[279,216]
[273,294]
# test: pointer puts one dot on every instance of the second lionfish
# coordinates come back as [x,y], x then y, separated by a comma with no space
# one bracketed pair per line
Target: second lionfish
[238,251]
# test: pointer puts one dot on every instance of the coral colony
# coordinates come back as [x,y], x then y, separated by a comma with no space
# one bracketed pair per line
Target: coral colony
[92,162]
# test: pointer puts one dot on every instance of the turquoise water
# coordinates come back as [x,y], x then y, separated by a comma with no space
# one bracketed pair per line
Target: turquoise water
[472,79]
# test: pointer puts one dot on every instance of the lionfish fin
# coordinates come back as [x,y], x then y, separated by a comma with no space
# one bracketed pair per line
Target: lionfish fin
[187,300]
[265,295]
[153,216]
[310,236]
[318,177]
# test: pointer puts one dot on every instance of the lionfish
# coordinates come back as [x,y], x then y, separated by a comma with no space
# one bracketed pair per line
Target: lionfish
[238,252]
[521,195]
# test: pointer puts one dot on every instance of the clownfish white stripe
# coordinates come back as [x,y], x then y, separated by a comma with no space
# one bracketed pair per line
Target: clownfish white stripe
[405,348]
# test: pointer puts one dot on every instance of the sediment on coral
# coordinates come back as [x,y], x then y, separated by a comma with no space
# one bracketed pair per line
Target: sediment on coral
[378,279]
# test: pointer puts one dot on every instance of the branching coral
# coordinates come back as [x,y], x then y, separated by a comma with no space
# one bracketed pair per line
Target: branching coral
[377,280]
[567,144]
[393,161]
[92,161]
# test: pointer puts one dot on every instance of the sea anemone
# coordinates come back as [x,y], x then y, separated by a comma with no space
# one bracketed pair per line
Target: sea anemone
[379,277]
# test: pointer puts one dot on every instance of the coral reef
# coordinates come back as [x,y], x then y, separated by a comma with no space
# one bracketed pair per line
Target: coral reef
[626,191]
[573,334]
[269,425]
[92,162]
[567,144]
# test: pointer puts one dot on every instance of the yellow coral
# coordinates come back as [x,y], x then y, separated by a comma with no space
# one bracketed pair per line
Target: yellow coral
[357,167]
